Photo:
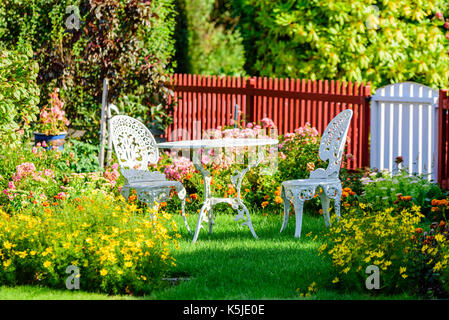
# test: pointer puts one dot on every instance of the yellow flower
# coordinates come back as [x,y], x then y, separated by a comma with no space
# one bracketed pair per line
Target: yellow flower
[7,245]
[402,269]
[7,263]
[103,272]
[47,264]
[128,264]
[335,280]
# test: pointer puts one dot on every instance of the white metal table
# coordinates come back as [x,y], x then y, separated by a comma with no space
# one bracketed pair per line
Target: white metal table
[206,212]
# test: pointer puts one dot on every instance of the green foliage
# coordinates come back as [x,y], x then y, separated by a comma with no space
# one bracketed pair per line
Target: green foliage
[114,245]
[206,44]
[382,190]
[130,42]
[84,156]
[348,40]
[366,236]
[19,93]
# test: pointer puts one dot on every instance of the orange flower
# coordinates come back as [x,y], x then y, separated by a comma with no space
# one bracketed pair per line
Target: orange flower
[231,190]
[278,199]
[45,204]
[80,207]
[418,230]
[435,209]
[163,204]
[442,223]
[132,198]
[344,194]
[346,205]
[406,198]
[266,197]
[194,196]
[247,190]
[348,190]
[264,204]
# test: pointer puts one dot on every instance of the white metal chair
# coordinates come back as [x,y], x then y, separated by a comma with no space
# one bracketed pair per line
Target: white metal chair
[136,148]
[298,191]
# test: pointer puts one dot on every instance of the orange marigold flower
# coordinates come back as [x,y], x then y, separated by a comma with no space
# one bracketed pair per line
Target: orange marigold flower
[346,205]
[266,197]
[45,204]
[344,194]
[435,209]
[163,204]
[347,189]
[278,199]
[418,230]
[194,196]
[442,223]
[264,204]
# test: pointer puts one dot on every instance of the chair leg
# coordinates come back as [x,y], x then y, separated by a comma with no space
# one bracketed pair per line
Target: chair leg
[325,201]
[203,211]
[183,205]
[211,220]
[299,205]
[337,207]
[286,213]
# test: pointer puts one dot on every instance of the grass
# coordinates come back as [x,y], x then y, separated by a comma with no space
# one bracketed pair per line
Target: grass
[231,264]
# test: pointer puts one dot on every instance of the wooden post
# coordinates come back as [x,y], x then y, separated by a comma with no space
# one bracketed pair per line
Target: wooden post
[111,107]
[104,104]
[366,125]
[441,145]
[250,84]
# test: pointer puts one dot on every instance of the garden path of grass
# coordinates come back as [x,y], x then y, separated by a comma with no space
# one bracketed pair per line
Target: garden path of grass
[231,264]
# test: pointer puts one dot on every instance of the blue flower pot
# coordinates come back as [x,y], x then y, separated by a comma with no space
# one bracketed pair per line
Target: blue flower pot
[50,140]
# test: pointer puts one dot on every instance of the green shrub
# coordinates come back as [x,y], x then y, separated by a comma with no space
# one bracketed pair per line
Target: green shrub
[383,190]
[206,44]
[116,247]
[340,40]
[19,94]
[130,42]
[366,236]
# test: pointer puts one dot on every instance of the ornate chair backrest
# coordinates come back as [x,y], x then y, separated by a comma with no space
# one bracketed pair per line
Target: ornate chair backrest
[332,145]
[135,148]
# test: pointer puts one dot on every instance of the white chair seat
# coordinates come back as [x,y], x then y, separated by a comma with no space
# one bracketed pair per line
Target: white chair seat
[309,182]
[153,184]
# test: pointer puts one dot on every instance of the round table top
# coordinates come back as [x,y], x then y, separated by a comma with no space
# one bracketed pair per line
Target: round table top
[217,143]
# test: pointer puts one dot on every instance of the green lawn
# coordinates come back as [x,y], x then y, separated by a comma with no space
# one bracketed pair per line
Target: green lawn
[231,264]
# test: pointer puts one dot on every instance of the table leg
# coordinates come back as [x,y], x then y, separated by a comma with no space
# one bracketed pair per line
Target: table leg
[206,212]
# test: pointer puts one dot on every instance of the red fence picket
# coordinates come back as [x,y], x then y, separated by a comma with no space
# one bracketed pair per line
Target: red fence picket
[443,139]
[205,102]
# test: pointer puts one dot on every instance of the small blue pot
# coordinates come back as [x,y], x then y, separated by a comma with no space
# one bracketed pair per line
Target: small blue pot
[51,140]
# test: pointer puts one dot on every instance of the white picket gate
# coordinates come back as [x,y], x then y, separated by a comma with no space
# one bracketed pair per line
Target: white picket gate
[404,123]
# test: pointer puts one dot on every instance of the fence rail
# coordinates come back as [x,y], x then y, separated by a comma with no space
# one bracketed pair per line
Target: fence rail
[205,102]
[443,139]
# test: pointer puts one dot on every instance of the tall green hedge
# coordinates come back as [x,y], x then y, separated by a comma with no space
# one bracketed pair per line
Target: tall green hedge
[359,40]
[128,41]
[19,93]
[208,41]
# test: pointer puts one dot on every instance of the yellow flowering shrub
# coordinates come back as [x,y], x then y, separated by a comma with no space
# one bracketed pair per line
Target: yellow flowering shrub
[365,237]
[117,247]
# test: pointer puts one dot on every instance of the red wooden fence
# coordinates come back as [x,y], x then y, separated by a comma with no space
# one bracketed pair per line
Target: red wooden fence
[443,139]
[205,102]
